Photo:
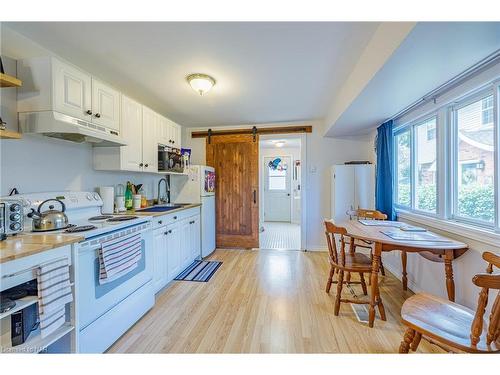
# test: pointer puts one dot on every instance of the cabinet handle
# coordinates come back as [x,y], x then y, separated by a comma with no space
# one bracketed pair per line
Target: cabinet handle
[191,222]
[146,165]
[160,221]
[255,197]
[166,233]
[140,165]
[89,112]
[170,231]
[175,217]
[97,115]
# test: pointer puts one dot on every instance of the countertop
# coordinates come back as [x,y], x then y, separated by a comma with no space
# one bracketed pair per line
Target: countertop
[155,214]
[26,244]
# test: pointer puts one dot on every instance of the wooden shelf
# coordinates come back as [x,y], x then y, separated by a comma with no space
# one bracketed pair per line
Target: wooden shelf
[9,134]
[20,304]
[9,81]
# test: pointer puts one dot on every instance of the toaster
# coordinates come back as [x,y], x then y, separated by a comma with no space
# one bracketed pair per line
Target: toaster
[11,217]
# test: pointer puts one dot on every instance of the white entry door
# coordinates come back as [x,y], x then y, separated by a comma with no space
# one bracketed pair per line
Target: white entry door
[277,189]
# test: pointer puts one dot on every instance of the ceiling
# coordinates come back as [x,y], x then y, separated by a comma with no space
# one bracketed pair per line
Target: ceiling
[265,72]
[433,53]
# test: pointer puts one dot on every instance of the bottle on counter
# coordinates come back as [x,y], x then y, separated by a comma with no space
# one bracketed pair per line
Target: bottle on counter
[144,200]
[129,197]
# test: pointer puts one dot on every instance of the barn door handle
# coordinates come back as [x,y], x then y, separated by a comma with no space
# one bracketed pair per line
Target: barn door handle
[255,197]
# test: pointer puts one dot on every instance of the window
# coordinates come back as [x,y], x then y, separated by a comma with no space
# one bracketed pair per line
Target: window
[403,165]
[475,161]
[277,179]
[487,110]
[462,138]
[426,166]
[431,131]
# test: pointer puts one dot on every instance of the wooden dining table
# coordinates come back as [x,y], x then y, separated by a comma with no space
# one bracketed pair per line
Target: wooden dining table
[442,249]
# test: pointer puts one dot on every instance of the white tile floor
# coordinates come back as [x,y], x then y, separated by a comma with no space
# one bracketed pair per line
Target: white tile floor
[280,236]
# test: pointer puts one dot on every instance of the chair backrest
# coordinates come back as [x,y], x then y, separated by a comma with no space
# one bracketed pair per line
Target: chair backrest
[330,231]
[364,214]
[487,281]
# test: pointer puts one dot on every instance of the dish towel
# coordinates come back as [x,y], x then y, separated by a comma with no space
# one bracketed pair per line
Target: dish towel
[54,292]
[119,256]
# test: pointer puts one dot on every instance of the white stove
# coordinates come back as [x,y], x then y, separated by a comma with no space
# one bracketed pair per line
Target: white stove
[84,213]
[103,312]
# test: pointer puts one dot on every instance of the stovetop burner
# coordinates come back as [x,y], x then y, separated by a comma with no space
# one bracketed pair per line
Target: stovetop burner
[100,217]
[122,218]
[81,228]
[69,226]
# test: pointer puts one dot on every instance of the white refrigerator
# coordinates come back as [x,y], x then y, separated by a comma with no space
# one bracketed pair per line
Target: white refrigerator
[353,187]
[200,188]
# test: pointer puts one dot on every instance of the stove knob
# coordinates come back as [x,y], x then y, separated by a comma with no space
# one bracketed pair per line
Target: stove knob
[15,226]
[89,197]
[15,207]
[96,196]
[15,217]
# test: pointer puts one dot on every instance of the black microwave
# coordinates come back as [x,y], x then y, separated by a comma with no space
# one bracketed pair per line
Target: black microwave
[170,159]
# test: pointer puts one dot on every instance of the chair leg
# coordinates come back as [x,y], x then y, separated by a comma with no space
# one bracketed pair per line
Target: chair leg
[382,269]
[416,341]
[363,283]
[330,279]
[340,283]
[404,347]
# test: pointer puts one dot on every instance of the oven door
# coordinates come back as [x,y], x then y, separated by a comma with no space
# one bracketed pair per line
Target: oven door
[94,299]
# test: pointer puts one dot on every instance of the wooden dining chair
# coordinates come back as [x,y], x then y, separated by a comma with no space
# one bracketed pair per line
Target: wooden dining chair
[365,214]
[452,326]
[346,262]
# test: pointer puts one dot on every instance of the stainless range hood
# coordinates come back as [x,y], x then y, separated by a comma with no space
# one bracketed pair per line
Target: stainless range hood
[57,125]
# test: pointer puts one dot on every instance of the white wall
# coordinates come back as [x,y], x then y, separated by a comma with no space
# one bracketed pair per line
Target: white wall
[321,154]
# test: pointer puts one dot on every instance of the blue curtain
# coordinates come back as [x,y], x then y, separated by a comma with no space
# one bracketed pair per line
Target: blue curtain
[384,185]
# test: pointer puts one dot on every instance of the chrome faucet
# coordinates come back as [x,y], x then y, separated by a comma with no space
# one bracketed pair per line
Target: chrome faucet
[165,198]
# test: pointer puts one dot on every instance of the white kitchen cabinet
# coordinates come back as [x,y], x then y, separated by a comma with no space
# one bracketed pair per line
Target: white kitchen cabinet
[105,105]
[177,243]
[50,84]
[72,91]
[160,255]
[173,251]
[168,132]
[195,235]
[185,242]
[149,141]
[139,130]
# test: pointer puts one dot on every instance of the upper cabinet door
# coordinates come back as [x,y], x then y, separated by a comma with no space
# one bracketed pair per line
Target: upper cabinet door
[162,130]
[149,141]
[72,91]
[131,159]
[105,105]
[175,135]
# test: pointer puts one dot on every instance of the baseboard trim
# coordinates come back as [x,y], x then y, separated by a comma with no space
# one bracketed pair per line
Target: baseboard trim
[318,248]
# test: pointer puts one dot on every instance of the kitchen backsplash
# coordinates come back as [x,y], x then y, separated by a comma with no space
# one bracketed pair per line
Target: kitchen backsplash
[37,164]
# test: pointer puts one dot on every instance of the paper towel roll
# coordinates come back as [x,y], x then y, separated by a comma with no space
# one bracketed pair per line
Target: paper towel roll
[107,194]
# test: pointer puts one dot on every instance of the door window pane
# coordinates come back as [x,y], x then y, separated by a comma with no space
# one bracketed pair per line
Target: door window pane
[476,161]
[277,179]
[403,158]
[426,166]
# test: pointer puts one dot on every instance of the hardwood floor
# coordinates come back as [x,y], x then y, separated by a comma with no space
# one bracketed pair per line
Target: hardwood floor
[264,301]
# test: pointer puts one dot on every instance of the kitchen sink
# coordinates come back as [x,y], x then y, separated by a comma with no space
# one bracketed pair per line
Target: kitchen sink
[161,208]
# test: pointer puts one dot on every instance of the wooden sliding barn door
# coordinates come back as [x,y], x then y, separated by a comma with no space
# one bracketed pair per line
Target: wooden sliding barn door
[235,159]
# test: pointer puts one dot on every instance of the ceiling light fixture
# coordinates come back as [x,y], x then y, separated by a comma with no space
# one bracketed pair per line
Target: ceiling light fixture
[279,143]
[201,83]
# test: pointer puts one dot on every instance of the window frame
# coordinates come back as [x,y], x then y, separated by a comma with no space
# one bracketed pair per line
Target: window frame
[411,126]
[453,156]
[397,132]
[446,134]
